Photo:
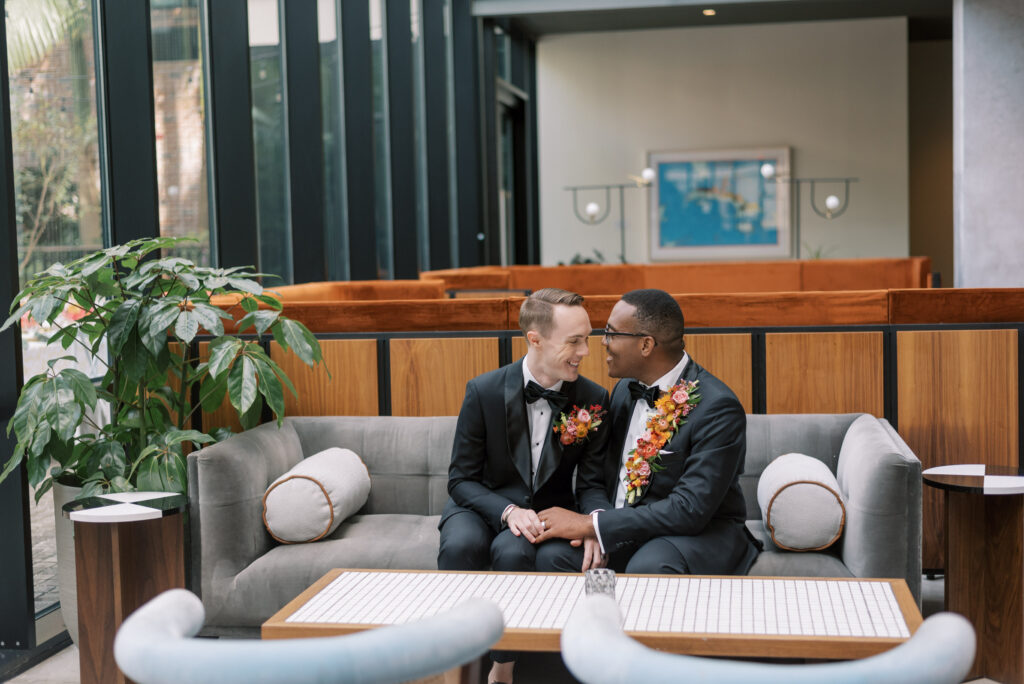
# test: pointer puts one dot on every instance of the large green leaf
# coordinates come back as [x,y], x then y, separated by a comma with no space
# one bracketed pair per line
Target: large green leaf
[163,471]
[242,384]
[108,457]
[222,353]
[292,331]
[210,318]
[270,388]
[211,393]
[246,285]
[187,326]
[81,385]
[121,325]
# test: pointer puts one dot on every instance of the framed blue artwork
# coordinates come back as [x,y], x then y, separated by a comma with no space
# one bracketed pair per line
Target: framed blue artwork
[718,205]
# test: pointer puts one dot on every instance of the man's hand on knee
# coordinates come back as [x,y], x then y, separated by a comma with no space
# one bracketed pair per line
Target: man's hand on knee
[524,522]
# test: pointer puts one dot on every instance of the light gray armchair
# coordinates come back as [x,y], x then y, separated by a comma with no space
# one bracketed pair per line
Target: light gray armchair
[154,646]
[596,651]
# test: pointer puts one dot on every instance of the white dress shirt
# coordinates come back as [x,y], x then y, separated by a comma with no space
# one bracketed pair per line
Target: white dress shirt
[538,418]
[637,426]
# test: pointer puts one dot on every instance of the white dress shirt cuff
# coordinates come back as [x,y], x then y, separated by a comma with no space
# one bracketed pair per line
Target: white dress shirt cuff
[597,530]
[505,514]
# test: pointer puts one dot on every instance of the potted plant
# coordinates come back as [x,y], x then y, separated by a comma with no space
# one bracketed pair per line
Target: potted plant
[137,314]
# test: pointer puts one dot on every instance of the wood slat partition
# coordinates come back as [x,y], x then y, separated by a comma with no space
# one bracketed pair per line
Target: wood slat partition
[429,376]
[727,356]
[957,404]
[351,389]
[225,416]
[825,373]
[592,367]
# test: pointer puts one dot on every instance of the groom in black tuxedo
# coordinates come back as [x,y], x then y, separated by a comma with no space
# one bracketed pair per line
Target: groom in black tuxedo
[689,517]
[507,460]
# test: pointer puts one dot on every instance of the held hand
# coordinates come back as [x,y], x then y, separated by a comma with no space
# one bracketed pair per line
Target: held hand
[559,523]
[524,521]
[592,556]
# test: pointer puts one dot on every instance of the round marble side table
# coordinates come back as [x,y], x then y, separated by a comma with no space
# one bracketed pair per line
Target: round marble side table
[129,547]
[985,561]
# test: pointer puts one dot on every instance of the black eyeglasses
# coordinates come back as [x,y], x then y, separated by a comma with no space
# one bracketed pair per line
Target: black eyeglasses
[615,333]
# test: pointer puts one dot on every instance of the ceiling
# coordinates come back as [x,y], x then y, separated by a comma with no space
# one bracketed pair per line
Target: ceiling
[927,18]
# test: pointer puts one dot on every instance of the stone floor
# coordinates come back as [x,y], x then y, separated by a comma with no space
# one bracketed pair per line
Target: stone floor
[541,668]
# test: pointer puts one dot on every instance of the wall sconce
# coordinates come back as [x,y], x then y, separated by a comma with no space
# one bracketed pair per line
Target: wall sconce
[593,212]
[834,207]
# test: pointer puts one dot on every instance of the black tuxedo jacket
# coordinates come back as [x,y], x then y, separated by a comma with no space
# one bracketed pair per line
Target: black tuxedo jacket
[699,483]
[491,464]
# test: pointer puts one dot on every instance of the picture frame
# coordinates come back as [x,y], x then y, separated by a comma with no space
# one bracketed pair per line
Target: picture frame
[717,204]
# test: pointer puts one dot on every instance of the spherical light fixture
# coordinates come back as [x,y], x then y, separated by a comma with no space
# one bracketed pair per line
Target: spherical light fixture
[648,175]
[768,170]
[591,210]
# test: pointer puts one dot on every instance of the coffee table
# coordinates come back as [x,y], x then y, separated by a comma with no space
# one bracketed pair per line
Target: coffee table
[759,617]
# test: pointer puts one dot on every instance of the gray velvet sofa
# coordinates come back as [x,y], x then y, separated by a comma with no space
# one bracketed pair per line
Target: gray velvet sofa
[244,576]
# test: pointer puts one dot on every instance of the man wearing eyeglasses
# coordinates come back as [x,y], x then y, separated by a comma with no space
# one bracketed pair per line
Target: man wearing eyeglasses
[669,500]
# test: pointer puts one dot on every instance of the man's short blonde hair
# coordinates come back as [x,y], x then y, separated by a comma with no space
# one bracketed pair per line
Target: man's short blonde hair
[538,311]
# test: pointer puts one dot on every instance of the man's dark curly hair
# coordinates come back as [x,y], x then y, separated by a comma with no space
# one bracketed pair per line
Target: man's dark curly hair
[658,315]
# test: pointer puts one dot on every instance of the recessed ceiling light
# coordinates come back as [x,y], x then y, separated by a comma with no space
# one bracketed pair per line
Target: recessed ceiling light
[709,12]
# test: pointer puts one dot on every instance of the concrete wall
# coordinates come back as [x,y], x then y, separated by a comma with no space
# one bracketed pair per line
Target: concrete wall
[834,92]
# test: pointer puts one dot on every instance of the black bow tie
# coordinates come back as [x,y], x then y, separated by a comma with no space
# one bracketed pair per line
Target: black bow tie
[533,392]
[638,391]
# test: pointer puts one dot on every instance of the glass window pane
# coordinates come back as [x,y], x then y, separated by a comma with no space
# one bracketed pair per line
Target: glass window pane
[270,138]
[180,126]
[381,143]
[420,134]
[51,68]
[333,117]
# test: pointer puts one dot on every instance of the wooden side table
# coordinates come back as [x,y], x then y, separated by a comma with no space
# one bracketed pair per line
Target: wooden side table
[128,548]
[985,561]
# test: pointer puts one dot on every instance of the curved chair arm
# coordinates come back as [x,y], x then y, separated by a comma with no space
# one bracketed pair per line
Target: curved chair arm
[596,651]
[154,646]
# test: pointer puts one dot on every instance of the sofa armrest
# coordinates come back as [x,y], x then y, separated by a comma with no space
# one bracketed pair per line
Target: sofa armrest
[226,483]
[880,478]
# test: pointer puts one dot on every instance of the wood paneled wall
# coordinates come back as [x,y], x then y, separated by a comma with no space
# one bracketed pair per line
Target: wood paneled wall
[830,372]
[345,385]
[958,403]
[429,376]
[954,391]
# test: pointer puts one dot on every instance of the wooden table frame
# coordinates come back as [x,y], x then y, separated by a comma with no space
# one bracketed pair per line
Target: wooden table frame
[732,645]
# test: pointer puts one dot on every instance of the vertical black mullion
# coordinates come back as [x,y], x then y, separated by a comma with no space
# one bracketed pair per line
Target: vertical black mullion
[758,365]
[435,92]
[230,115]
[358,97]
[890,368]
[305,139]
[384,376]
[467,129]
[17,604]
[531,189]
[488,104]
[127,63]
[403,149]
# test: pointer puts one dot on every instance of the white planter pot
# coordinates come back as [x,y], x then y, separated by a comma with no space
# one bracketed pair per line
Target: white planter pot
[67,580]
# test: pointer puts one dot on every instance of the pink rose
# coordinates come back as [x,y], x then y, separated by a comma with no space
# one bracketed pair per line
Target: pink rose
[680,396]
[571,428]
[583,416]
[644,470]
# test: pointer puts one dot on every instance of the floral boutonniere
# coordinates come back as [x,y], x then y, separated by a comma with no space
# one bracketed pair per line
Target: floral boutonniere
[670,409]
[574,428]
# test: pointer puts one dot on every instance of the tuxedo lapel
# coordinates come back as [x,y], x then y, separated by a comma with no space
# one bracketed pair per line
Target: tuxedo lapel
[551,452]
[622,411]
[689,374]
[516,425]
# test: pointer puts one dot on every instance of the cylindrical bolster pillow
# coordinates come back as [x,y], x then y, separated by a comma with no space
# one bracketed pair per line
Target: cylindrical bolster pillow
[313,498]
[800,503]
